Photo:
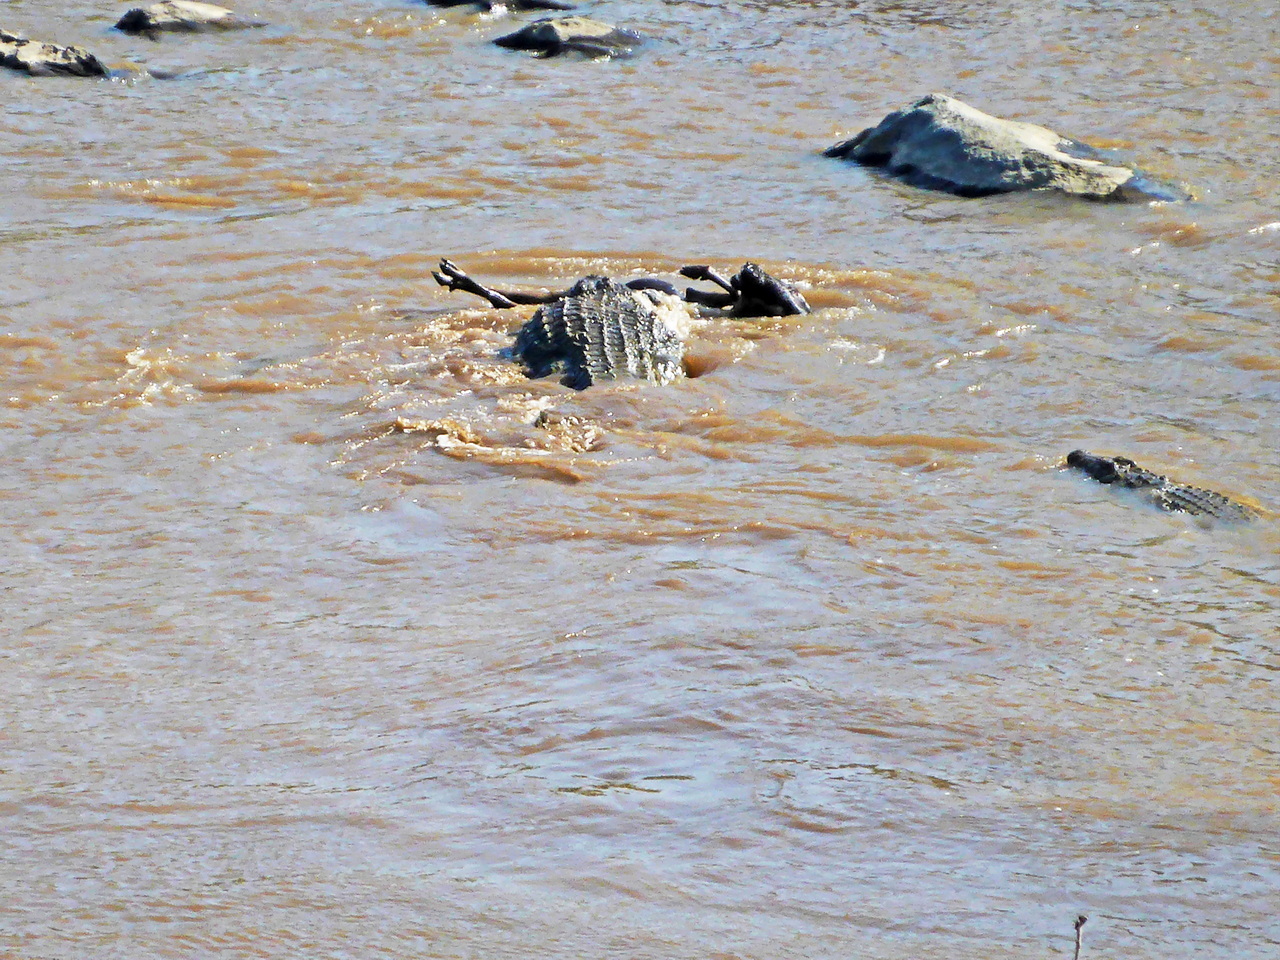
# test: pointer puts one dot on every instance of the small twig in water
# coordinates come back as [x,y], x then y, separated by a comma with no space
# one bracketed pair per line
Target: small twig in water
[1080,922]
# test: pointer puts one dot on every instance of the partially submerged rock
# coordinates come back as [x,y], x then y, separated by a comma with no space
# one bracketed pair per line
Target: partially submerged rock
[944,144]
[183,16]
[492,6]
[1161,491]
[43,59]
[556,35]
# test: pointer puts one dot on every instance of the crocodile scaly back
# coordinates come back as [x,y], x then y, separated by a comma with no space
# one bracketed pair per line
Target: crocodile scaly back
[601,330]
[1196,500]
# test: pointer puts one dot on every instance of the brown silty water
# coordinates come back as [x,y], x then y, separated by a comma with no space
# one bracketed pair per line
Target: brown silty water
[328,633]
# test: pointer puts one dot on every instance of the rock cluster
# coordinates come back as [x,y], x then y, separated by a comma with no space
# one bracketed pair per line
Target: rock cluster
[187,16]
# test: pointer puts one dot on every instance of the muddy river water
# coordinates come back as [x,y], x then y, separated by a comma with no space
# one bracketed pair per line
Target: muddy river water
[325,633]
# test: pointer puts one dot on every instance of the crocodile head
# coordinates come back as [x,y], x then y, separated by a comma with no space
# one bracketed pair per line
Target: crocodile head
[1110,469]
[1102,469]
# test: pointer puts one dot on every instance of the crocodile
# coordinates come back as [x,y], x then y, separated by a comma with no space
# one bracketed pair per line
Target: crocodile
[603,330]
[600,329]
[1164,493]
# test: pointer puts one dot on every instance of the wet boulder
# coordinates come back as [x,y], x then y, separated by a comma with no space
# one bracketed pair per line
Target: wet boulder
[941,143]
[43,59]
[493,6]
[183,16]
[557,35]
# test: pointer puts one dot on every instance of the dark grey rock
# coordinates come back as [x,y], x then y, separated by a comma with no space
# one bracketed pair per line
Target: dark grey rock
[944,144]
[1164,493]
[557,35]
[602,330]
[43,59]
[183,16]
[517,6]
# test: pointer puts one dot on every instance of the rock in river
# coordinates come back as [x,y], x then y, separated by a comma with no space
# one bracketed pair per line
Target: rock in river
[41,59]
[944,144]
[494,6]
[183,16]
[557,35]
